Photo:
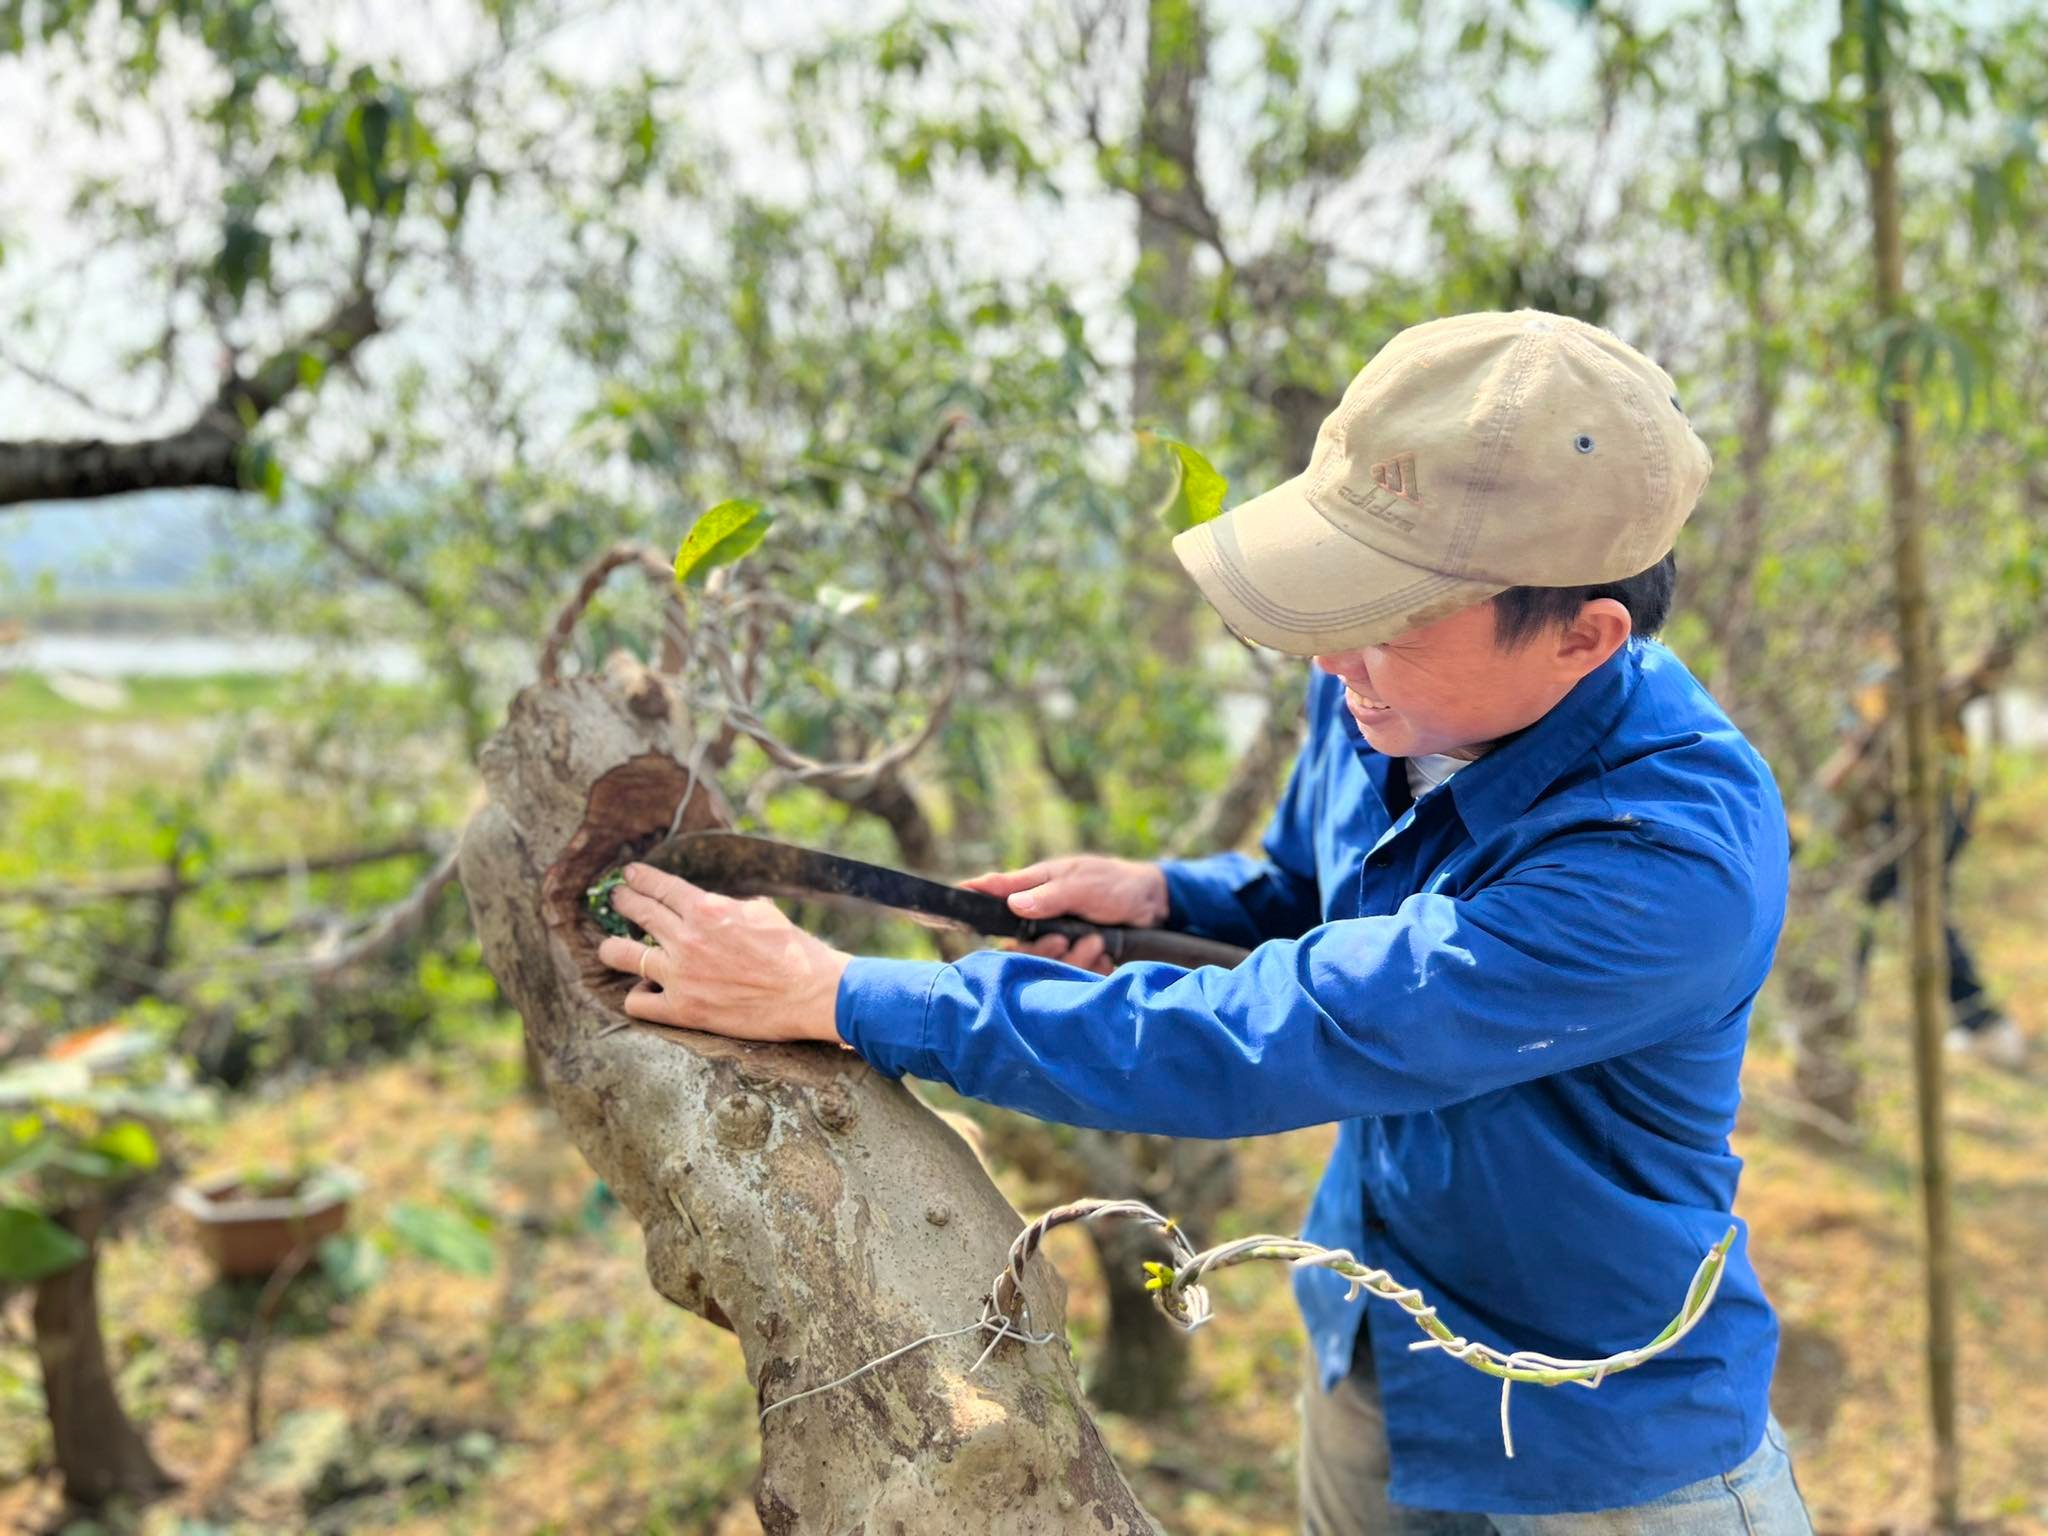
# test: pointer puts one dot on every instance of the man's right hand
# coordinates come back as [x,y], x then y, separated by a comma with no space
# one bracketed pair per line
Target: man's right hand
[1117,893]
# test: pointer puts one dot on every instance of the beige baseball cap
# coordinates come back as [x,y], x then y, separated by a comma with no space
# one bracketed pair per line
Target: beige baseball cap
[1472,454]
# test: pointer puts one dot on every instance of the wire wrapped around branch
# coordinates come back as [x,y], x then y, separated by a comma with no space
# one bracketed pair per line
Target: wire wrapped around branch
[1182,1297]
[1187,1305]
[1510,1365]
[1178,1289]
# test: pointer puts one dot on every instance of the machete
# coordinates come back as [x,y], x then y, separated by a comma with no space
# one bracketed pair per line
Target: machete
[740,864]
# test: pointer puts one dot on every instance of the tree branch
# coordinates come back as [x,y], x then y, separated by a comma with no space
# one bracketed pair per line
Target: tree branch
[206,452]
[163,882]
[857,778]
[643,555]
[380,933]
[329,955]
[1233,814]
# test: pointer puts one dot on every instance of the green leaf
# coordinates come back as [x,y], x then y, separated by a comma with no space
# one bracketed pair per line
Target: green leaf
[244,256]
[1198,486]
[597,899]
[352,1264]
[32,1246]
[172,1101]
[96,1166]
[263,471]
[597,1207]
[722,535]
[442,1235]
[128,1142]
[25,1146]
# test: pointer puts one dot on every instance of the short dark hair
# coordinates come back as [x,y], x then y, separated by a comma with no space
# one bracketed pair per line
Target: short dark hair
[1522,613]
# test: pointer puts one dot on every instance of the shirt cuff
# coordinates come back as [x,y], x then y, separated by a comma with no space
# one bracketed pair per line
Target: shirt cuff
[881,1012]
[1202,895]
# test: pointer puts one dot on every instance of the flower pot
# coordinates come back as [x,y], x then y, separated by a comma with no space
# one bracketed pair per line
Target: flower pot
[249,1227]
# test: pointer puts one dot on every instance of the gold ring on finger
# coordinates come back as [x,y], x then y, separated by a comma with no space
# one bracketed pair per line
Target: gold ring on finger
[646,953]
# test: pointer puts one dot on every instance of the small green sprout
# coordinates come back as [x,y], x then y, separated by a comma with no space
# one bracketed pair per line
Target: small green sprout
[599,900]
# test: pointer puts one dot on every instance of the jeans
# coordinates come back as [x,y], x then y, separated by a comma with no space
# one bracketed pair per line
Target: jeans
[1344,1470]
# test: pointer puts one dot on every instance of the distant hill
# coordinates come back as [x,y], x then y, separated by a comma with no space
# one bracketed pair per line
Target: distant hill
[155,542]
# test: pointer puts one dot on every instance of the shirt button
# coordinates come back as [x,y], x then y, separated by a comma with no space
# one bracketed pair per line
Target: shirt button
[1380,860]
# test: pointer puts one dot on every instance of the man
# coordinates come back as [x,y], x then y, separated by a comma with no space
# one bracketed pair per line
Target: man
[1863,776]
[1513,909]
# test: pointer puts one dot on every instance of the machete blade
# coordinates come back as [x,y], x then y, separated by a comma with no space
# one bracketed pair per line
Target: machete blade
[740,864]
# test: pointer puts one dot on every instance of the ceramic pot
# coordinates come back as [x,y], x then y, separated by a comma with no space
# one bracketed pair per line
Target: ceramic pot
[248,1227]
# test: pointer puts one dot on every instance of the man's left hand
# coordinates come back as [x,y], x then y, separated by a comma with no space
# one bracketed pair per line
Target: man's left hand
[730,967]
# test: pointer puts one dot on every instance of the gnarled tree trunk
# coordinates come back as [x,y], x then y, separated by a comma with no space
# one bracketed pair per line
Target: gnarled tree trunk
[785,1192]
[100,1452]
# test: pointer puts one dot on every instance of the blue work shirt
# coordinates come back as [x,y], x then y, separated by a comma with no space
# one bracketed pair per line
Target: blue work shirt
[1525,999]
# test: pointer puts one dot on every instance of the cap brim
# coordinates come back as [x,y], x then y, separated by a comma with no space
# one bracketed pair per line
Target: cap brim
[1281,575]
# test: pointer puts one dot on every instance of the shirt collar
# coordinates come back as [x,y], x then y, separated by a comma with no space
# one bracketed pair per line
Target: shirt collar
[1507,780]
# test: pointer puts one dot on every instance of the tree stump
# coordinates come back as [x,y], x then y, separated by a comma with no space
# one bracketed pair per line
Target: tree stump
[786,1192]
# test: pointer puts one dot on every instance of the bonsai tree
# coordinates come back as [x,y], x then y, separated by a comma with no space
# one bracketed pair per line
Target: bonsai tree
[81,1138]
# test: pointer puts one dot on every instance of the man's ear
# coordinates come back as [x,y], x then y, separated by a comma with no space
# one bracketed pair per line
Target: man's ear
[1602,628]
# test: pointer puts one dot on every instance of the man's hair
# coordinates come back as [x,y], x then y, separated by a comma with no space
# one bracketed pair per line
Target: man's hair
[1522,613]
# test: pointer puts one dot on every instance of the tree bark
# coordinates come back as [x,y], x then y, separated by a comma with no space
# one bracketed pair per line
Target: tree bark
[100,1453]
[785,1192]
[1922,819]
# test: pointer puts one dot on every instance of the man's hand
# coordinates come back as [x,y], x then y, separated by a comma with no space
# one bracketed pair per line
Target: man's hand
[1118,893]
[738,968]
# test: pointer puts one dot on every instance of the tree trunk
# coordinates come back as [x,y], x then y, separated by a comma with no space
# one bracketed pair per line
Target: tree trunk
[100,1453]
[1922,806]
[1143,1367]
[1162,298]
[1162,290]
[785,1192]
[1821,989]
[1733,621]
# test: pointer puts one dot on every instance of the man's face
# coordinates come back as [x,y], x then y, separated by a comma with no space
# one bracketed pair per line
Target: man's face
[1449,687]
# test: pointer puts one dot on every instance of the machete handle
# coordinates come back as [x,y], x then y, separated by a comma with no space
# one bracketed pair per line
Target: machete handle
[1121,944]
